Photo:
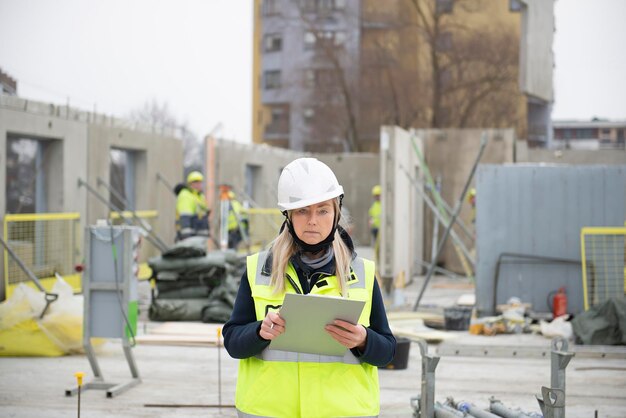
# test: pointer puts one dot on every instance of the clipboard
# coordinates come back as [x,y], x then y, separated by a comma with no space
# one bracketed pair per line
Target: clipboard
[306,316]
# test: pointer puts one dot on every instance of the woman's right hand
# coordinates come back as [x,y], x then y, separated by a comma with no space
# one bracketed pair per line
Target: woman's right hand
[272,326]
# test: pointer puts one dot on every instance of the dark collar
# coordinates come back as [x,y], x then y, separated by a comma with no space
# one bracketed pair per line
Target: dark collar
[329,268]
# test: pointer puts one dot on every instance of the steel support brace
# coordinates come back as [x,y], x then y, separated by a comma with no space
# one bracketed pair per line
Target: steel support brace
[552,400]
[426,400]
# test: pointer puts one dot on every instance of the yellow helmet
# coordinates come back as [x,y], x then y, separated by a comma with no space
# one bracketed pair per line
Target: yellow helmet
[194,176]
[376,190]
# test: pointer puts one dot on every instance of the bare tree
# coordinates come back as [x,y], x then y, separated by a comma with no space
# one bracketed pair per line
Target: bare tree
[160,117]
[472,73]
[419,65]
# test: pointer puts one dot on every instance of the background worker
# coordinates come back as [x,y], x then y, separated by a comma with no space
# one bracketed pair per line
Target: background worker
[471,199]
[374,214]
[312,254]
[192,213]
[237,221]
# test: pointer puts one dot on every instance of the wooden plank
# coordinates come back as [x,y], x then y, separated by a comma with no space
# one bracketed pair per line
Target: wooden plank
[182,333]
[178,340]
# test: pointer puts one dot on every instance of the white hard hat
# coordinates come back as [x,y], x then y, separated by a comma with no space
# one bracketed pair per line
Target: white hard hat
[306,181]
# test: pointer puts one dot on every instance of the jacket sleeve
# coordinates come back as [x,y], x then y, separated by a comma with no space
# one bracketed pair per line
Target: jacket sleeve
[241,332]
[381,344]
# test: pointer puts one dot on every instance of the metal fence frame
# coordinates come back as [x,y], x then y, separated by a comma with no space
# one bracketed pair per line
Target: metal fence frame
[72,277]
[595,231]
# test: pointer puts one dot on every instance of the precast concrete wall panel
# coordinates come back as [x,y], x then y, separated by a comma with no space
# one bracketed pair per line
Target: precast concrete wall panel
[539,210]
[401,230]
[78,144]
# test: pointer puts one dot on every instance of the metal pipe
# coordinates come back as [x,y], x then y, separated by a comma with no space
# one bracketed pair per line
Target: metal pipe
[448,211]
[474,410]
[499,409]
[457,209]
[439,270]
[444,411]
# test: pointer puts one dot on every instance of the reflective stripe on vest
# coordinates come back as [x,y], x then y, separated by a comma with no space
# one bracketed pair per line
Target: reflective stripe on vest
[241,414]
[290,356]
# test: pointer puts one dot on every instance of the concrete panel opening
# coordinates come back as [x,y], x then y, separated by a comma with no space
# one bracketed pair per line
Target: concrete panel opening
[34,175]
[123,178]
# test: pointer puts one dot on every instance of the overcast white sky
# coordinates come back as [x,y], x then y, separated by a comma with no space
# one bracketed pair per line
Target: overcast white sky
[196,56]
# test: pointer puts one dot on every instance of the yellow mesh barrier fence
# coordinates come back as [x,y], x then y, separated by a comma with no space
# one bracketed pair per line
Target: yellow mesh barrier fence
[603,254]
[47,243]
[147,250]
[264,225]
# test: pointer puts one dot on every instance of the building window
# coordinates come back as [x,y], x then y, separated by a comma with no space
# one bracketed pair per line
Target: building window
[253,181]
[309,40]
[279,123]
[24,160]
[309,114]
[340,38]
[444,42]
[444,6]
[445,78]
[270,7]
[515,5]
[273,42]
[324,39]
[122,179]
[272,79]
[309,78]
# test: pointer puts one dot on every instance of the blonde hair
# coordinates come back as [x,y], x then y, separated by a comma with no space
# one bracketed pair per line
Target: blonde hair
[284,247]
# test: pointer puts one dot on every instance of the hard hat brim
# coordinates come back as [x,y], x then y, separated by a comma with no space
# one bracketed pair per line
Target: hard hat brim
[312,201]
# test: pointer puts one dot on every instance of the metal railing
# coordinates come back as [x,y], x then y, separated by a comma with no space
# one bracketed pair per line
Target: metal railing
[602,254]
[47,243]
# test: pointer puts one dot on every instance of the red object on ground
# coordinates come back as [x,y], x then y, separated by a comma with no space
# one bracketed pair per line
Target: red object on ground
[559,303]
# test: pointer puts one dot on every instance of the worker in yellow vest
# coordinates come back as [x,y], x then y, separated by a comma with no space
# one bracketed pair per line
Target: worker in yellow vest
[312,254]
[237,221]
[471,199]
[374,214]
[192,213]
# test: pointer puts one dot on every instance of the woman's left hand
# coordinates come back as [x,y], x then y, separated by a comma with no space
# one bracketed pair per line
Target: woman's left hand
[347,334]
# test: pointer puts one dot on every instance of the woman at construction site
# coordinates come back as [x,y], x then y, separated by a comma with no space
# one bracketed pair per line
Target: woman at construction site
[312,254]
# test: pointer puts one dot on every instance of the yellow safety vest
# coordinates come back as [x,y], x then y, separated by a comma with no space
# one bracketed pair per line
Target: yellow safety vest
[286,384]
[374,213]
[235,214]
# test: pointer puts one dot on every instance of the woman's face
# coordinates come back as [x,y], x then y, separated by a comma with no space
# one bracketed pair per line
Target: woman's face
[313,223]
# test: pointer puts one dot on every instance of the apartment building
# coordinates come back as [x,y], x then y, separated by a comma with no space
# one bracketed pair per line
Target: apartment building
[328,73]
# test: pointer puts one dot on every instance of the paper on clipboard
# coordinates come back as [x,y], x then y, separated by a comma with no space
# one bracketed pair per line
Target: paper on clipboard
[306,316]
